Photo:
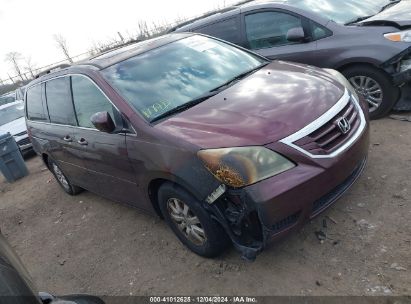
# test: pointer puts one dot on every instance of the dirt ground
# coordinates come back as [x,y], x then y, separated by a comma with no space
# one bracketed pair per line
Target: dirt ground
[89,244]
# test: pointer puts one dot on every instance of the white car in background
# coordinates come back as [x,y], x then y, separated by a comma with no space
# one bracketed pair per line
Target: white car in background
[12,120]
[7,98]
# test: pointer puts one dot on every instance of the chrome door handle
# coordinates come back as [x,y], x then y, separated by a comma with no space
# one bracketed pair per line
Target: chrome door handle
[83,142]
[67,138]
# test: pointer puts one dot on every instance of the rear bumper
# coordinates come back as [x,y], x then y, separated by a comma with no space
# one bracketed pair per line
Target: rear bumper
[285,202]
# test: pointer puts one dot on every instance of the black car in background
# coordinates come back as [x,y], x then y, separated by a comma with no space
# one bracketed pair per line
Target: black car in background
[369,41]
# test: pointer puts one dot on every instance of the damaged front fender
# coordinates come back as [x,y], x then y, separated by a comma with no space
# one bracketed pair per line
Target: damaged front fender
[239,217]
[395,67]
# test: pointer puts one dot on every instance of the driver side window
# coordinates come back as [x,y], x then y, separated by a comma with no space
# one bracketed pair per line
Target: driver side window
[88,100]
[269,29]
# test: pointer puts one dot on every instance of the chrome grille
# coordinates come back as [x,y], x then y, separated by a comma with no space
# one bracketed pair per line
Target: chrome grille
[329,137]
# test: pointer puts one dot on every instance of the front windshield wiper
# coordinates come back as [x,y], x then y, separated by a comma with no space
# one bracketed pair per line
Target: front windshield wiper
[359,19]
[238,77]
[185,106]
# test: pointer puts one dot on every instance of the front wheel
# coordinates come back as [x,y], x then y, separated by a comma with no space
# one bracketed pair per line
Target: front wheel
[191,223]
[376,88]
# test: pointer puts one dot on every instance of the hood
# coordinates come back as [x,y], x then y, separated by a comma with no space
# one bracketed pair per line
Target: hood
[14,127]
[268,105]
[398,15]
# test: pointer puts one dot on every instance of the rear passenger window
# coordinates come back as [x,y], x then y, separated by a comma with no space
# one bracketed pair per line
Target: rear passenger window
[88,100]
[59,103]
[36,109]
[226,30]
[269,29]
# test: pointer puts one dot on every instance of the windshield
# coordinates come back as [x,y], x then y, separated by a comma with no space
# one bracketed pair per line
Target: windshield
[170,76]
[341,11]
[11,113]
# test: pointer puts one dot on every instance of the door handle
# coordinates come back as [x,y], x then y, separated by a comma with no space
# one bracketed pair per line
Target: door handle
[83,142]
[67,138]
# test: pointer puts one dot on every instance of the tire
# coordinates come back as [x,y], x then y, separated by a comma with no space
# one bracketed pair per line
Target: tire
[63,181]
[214,239]
[358,77]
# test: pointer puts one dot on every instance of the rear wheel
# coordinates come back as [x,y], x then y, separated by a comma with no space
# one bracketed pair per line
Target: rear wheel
[191,223]
[376,88]
[62,179]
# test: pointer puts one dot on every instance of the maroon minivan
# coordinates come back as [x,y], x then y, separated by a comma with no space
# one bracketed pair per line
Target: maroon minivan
[224,145]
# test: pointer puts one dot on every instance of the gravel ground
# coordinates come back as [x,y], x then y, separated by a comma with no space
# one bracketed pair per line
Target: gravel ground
[89,244]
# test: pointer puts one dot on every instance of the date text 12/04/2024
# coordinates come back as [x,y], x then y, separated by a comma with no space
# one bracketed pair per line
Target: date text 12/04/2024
[204,299]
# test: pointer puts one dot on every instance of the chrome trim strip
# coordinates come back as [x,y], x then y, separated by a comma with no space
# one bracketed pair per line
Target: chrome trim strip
[330,114]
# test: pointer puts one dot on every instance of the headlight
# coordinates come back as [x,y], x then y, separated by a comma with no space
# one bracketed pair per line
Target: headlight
[404,36]
[239,167]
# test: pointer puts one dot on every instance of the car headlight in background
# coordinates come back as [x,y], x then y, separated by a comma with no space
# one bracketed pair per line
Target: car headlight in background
[242,166]
[404,36]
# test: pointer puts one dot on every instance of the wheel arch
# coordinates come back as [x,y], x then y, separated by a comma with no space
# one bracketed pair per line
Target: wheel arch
[348,65]
[45,158]
[155,184]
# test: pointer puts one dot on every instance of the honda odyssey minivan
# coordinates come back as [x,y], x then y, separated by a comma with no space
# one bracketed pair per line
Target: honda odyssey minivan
[226,146]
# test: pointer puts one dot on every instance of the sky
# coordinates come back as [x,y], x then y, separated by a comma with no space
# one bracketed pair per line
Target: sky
[28,26]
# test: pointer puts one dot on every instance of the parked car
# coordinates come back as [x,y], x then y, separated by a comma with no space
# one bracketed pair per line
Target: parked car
[20,93]
[216,139]
[12,120]
[7,98]
[16,286]
[369,41]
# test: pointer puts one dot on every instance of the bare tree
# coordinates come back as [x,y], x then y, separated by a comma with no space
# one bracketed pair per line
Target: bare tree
[62,44]
[143,31]
[11,79]
[30,67]
[14,58]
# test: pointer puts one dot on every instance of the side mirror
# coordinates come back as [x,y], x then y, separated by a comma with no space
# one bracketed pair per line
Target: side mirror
[296,34]
[103,122]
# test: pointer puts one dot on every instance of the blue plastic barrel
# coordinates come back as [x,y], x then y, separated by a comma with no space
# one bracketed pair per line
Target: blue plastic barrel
[12,164]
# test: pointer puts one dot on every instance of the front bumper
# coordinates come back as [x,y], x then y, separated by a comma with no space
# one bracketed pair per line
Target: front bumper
[287,201]
[24,143]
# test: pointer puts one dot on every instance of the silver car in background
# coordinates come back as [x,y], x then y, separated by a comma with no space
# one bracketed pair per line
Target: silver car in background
[7,98]
[12,120]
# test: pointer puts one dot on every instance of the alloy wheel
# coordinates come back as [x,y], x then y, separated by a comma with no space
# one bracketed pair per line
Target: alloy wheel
[370,89]
[186,221]
[60,177]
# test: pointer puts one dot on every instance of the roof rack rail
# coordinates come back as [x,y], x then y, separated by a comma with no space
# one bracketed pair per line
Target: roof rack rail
[52,69]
